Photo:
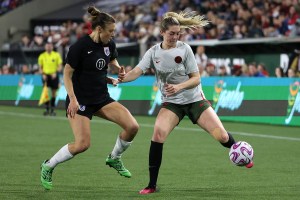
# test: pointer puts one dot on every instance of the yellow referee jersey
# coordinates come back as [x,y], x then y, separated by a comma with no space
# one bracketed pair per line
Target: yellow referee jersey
[49,62]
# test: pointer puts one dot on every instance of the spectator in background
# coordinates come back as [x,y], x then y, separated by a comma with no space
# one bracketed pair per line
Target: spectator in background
[122,37]
[295,31]
[50,63]
[244,30]
[5,70]
[262,69]
[38,41]
[237,33]
[253,71]
[292,18]
[291,73]
[236,70]
[279,72]
[201,58]
[255,30]
[222,71]
[245,70]
[25,69]
[210,70]
[199,34]
[26,42]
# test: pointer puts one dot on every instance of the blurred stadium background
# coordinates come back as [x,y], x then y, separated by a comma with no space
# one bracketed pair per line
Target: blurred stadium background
[250,73]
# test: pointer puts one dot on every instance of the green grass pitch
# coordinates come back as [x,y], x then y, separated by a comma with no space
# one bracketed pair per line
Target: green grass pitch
[194,165]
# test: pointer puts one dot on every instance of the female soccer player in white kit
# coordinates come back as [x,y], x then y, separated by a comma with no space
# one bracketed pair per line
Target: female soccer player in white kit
[178,78]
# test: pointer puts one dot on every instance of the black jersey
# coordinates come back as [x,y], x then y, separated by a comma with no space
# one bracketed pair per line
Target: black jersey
[89,61]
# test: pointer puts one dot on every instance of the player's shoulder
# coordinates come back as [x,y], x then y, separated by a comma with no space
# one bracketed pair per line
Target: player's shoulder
[181,44]
[112,43]
[155,47]
[82,41]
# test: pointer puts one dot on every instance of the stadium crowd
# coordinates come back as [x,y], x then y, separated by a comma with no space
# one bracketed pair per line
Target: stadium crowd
[229,19]
[8,5]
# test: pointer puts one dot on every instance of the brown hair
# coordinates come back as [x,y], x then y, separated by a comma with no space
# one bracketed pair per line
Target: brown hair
[99,18]
[189,20]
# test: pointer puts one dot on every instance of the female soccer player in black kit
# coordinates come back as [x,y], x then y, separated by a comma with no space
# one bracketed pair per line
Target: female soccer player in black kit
[85,79]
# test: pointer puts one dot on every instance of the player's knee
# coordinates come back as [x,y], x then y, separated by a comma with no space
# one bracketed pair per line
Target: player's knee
[133,128]
[159,135]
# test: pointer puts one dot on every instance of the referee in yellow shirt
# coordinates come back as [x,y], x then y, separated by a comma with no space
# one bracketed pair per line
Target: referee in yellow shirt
[50,64]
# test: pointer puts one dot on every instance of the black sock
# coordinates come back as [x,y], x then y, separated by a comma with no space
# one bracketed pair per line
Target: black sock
[155,157]
[52,104]
[47,106]
[230,142]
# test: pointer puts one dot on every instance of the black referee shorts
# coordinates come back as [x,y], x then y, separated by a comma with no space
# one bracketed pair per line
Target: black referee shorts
[52,83]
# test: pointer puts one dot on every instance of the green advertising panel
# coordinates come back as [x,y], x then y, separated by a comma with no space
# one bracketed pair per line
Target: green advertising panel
[243,99]
[260,100]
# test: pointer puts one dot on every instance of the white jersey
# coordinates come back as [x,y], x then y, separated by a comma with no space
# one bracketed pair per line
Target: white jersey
[172,66]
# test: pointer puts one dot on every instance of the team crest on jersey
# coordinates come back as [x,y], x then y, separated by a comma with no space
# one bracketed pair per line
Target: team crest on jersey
[81,107]
[178,59]
[106,51]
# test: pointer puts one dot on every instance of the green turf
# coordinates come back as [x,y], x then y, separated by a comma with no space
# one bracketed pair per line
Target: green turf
[194,165]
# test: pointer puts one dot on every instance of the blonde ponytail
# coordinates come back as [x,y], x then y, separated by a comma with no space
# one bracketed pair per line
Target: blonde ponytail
[189,20]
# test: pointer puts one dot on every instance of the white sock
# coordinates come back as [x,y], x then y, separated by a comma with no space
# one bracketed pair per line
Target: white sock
[120,147]
[61,156]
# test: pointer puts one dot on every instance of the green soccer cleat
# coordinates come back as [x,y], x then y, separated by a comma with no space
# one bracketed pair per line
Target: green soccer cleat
[117,164]
[46,176]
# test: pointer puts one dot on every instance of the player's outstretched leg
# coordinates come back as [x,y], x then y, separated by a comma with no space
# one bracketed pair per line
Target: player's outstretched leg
[46,176]
[117,164]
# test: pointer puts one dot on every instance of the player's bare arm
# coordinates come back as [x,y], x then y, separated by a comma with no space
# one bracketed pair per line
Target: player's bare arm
[121,74]
[132,75]
[115,63]
[74,105]
[193,81]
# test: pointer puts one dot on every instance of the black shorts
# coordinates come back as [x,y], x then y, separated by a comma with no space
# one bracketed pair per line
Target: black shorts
[52,83]
[91,109]
[192,110]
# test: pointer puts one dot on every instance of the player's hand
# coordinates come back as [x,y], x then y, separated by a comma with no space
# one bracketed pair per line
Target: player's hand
[170,89]
[72,108]
[121,74]
[113,81]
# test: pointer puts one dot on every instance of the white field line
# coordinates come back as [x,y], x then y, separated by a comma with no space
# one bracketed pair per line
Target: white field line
[150,126]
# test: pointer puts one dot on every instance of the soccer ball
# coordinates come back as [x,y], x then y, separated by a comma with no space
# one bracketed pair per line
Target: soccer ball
[241,153]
